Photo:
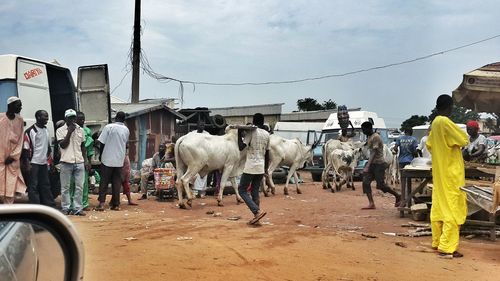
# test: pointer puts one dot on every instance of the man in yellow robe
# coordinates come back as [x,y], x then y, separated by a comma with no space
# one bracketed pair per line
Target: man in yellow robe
[11,145]
[449,203]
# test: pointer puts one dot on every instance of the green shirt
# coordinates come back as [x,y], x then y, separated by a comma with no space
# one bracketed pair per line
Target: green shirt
[89,141]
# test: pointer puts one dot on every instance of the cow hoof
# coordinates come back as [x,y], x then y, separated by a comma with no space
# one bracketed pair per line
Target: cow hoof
[299,191]
[337,188]
[286,192]
[266,194]
[273,192]
[220,204]
[190,203]
[182,206]
[333,190]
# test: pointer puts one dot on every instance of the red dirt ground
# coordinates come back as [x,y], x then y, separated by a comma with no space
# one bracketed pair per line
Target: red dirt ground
[312,236]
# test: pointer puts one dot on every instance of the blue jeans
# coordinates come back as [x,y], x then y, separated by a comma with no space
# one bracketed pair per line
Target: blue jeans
[245,181]
[77,171]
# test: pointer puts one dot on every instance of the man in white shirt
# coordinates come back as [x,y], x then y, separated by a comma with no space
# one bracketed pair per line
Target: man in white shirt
[257,144]
[422,148]
[36,151]
[74,162]
[113,139]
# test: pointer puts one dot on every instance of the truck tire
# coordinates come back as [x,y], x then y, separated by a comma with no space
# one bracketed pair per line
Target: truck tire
[316,177]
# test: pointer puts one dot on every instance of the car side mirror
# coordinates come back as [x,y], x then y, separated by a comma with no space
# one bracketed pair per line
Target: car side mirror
[38,243]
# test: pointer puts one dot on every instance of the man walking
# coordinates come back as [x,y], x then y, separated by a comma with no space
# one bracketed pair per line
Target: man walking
[257,144]
[11,145]
[36,152]
[449,203]
[113,139]
[375,168]
[74,162]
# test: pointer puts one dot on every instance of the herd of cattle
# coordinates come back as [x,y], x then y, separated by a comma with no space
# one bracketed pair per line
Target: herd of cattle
[197,153]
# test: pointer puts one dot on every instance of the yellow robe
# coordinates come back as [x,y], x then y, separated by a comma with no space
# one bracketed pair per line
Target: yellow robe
[449,203]
[11,144]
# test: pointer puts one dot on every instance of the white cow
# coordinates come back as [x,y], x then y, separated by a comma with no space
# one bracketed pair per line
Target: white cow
[285,152]
[342,158]
[197,153]
[393,174]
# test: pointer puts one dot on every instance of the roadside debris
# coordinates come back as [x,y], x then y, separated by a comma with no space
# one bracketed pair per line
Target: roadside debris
[234,218]
[401,244]
[130,238]
[218,214]
[184,238]
[211,212]
[368,235]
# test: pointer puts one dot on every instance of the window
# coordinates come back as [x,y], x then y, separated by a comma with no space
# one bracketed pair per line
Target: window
[8,88]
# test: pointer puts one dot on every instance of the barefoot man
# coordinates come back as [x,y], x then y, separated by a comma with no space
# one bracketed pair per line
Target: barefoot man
[375,168]
[449,203]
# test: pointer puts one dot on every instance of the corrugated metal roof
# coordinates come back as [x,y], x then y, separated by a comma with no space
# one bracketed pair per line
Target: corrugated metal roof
[248,110]
[135,109]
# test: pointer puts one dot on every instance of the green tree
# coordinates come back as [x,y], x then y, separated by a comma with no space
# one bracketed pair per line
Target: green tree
[308,104]
[329,104]
[414,120]
[458,115]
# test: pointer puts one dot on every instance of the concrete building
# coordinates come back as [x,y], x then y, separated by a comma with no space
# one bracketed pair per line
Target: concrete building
[244,114]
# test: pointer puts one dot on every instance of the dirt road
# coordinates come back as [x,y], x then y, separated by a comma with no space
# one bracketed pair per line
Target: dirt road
[313,236]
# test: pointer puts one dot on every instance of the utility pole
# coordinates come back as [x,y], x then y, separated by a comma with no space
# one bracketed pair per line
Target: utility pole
[136,52]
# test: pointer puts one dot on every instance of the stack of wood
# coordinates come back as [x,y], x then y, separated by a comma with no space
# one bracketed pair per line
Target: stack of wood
[424,229]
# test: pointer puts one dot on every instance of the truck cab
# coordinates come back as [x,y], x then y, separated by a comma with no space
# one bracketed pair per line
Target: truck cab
[50,86]
[332,130]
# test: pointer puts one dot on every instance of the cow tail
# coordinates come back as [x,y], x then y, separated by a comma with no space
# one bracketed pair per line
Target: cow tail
[180,165]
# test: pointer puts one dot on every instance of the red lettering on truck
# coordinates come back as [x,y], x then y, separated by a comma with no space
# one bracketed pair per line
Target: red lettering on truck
[32,73]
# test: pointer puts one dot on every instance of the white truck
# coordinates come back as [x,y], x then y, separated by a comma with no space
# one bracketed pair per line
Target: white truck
[49,86]
[331,130]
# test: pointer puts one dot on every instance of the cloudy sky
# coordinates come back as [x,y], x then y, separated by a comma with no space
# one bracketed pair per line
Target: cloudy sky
[256,41]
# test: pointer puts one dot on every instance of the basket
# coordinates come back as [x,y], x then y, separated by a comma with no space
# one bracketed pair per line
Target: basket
[164,178]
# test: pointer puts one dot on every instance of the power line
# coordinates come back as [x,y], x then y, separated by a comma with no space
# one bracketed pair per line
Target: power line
[168,79]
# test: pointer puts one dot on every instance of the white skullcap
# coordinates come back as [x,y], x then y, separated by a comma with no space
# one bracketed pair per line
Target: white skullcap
[12,99]
[69,112]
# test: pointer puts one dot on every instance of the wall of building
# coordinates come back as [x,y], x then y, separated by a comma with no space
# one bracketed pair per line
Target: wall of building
[147,131]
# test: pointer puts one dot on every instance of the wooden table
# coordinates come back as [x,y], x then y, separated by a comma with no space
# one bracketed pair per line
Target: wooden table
[407,174]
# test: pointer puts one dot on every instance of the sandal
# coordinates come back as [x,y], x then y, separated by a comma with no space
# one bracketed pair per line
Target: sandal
[450,256]
[99,208]
[257,217]
[115,208]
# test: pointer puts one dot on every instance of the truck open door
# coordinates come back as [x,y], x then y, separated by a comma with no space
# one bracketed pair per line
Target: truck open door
[94,95]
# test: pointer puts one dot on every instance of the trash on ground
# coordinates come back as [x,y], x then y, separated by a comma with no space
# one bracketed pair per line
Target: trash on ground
[184,238]
[130,238]
[234,218]
[401,244]
[368,235]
